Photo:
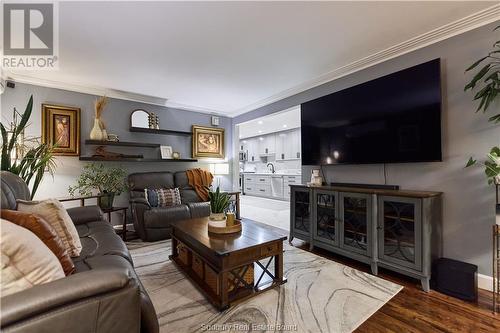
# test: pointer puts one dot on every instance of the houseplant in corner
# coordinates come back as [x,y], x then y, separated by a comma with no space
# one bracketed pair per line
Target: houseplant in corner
[108,182]
[219,202]
[487,81]
[24,156]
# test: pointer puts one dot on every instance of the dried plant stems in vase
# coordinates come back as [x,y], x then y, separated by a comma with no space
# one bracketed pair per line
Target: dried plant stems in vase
[98,132]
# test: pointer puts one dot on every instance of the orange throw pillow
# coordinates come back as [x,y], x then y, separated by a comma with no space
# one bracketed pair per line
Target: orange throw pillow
[43,230]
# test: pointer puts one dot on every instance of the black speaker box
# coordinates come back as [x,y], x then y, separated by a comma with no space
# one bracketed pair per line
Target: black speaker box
[454,278]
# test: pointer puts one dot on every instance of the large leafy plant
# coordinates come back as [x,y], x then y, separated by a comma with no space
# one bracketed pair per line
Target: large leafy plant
[26,157]
[219,201]
[103,179]
[487,81]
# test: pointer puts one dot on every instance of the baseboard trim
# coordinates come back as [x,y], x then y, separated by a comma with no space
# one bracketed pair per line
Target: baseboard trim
[485,282]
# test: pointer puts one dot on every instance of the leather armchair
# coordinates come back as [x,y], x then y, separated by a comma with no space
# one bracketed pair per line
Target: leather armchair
[153,223]
[138,206]
[199,209]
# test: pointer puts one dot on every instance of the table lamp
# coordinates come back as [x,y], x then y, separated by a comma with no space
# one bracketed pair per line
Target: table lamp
[219,169]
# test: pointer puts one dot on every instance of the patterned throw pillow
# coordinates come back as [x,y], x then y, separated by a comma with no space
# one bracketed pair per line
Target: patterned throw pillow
[163,197]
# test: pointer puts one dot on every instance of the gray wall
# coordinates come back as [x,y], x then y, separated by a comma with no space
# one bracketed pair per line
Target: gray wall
[468,201]
[116,117]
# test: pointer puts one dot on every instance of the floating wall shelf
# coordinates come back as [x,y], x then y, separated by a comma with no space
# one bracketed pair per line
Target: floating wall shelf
[121,143]
[133,159]
[159,131]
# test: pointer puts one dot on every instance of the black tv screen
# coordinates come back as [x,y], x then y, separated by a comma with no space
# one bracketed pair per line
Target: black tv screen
[392,119]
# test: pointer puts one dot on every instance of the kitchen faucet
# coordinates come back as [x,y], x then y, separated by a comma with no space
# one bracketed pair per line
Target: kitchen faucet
[272,167]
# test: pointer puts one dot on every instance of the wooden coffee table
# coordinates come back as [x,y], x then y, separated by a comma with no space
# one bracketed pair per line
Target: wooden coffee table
[228,268]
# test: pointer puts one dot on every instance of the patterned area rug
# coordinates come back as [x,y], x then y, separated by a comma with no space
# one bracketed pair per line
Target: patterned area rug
[320,296]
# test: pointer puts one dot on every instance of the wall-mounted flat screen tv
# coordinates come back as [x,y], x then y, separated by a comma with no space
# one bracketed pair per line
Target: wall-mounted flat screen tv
[392,119]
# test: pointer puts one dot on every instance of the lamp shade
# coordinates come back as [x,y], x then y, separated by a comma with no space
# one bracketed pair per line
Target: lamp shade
[219,169]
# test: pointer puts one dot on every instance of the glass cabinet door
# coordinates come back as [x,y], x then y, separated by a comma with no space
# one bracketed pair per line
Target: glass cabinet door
[325,216]
[356,221]
[301,210]
[400,233]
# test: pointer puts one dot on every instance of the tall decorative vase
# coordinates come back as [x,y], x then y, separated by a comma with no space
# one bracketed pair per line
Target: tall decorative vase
[96,132]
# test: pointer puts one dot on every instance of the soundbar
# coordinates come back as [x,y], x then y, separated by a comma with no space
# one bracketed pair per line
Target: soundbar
[371,186]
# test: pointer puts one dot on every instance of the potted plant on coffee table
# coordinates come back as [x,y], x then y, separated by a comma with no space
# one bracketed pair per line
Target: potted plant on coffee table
[219,202]
[107,182]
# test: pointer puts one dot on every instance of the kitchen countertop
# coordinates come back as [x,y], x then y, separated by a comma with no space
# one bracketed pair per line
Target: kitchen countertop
[270,174]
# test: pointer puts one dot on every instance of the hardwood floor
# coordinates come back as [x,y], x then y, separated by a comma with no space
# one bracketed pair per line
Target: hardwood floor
[413,310]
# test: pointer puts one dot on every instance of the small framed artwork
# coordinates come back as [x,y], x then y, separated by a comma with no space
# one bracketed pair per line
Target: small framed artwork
[61,129]
[166,152]
[208,142]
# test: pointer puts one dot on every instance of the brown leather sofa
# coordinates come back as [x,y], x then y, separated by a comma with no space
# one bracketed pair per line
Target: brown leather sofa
[103,295]
[153,223]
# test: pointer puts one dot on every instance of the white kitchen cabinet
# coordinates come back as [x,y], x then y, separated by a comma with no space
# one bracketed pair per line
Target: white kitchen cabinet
[268,144]
[292,146]
[277,187]
[253,149]
[290,180]
[281,143]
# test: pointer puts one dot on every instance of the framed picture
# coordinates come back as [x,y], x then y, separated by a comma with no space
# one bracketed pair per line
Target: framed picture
[61,129]
[208,142]
[166,152]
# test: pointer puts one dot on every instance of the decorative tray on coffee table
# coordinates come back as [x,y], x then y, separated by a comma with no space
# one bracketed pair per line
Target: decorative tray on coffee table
[225,230]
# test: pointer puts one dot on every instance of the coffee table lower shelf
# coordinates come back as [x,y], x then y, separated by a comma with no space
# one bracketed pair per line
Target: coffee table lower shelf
[240,283]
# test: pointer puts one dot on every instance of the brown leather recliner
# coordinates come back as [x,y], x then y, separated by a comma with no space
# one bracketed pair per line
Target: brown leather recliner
[153,223]
[103,295]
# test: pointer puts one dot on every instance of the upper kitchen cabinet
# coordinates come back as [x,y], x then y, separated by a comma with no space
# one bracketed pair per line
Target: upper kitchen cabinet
[292,149]
[280,146]
[252,146]
[267,144]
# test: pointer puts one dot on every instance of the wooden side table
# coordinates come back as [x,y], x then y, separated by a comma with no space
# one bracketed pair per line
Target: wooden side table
[124,219]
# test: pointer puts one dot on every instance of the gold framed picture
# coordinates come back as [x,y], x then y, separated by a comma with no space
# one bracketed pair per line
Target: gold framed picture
[61,129]
[208,142]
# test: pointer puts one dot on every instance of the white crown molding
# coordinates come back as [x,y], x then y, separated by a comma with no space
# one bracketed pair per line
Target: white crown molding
[109,92]
[476,20]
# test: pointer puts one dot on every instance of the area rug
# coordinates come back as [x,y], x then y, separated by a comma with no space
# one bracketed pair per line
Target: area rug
[320,296]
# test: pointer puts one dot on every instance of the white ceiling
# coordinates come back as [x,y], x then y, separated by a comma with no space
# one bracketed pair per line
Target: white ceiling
[276,122]
[230,57]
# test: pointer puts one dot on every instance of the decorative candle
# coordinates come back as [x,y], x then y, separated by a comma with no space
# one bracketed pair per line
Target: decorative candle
[229,219]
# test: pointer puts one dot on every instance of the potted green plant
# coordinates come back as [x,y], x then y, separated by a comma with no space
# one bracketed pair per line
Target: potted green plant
[487,81]
[219,202]
[24,156]
[108,182]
